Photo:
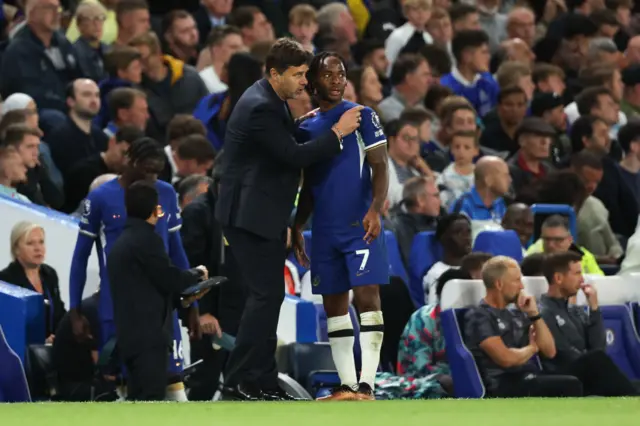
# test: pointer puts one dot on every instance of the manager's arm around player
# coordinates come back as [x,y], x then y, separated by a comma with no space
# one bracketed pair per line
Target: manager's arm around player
[257,192]
[144,285]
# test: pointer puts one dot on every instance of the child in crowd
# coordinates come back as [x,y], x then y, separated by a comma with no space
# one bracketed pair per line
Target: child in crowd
[457,177]
[303,25]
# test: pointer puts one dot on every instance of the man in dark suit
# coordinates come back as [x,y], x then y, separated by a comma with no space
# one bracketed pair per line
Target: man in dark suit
[144,288]
[257,191]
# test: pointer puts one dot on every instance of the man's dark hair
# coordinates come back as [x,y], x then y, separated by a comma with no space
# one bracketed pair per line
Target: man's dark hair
[628,134]
[467,39]
[15,134]
[590,98]
[119,58]
[604,17]
[558,263]
[122,98]
[141,200]
[451,274]
[183,125]
[531,265]
[542,71]
[586,158]
[562,187]
[596,76]
[616,4]
[129,133]
[582,128]
[416,115]
[126,6]
[196,147]
[16,116]
[190,184]
[219,33]
[438,59]
[286,53]
[446,221]
[145,149]
[316,66]
[405,64]
[435,96]
[460,11]
[243,17]
[366,48]
[474,261]
[508,91]
[171,17]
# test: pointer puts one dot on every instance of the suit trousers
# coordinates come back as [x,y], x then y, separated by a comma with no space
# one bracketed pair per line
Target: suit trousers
[252,362]
[147,374]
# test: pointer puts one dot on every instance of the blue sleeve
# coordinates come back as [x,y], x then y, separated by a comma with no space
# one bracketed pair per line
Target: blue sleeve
[176,249]
[87,234]
[371,129]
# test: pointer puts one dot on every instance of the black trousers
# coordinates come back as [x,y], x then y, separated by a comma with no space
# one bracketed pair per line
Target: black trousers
[537,385]
[252,362]
[600,375]
[147,375]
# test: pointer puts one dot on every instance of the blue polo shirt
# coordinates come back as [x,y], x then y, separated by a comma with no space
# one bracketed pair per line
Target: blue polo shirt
[471,205]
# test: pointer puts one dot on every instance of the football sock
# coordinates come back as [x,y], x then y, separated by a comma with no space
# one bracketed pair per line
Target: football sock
[371,334]
[175,392]
[341,339]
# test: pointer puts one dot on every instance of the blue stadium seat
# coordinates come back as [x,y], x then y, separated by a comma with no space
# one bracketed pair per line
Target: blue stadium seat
[310,364]
[623,344]
[396,266]
[425,251]
[561,209]
[499,243]
[13,381]
[22,317]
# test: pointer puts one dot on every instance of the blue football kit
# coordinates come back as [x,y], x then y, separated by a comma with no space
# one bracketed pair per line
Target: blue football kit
[342,194]
[103,219]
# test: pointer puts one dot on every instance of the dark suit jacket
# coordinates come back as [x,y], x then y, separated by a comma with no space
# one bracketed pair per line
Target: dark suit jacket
[262,163]
[54,307]
[144,287]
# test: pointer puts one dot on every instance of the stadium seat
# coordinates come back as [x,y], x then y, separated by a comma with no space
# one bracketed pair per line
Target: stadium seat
[425,251]
[310,364]
[396,266]
[561,209]
[22,317]
[623,342]
[457,297]
[499,243]
[41,374]
[13,382]
[535,286]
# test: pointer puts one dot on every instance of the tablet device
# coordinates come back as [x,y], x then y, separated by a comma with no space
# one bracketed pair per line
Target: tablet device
[227,342]
[203,285]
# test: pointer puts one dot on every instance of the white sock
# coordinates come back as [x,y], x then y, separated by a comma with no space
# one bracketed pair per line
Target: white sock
[176,393]
[341,339]
[371,334]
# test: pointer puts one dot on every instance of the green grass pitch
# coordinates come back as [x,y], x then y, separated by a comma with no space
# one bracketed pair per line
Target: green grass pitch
[521,412]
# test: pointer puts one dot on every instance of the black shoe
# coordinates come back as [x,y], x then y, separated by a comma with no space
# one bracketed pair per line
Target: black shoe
[241,393]
[365,393]
[278,394]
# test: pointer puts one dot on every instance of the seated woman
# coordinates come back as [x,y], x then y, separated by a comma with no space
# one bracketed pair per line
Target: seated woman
[29,271]
[423,370]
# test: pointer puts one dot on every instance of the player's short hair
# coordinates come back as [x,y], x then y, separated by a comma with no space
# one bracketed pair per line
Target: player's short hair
[122,98]
[14,135]
[316,65]
[196,147]
[286,53]
[119,58]
[555,263]
[495,268]
[183,125]
[141,200]
[145,149]
[531,265]
[474,261]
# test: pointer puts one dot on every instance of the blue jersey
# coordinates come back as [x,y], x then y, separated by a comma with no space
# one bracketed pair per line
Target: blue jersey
[341,187]
[103,219]
[482,93]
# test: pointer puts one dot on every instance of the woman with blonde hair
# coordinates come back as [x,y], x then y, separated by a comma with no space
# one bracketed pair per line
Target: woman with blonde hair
[29,271]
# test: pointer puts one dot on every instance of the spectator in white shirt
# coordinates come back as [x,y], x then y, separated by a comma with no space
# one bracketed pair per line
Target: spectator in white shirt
[222,42]
[457,178]
[414,32]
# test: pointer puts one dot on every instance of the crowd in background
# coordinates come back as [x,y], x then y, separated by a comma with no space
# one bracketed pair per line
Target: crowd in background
[489,107]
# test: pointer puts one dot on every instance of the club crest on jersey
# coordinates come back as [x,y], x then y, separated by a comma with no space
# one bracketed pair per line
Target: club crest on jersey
[375,120]
[160,211]
[86,208]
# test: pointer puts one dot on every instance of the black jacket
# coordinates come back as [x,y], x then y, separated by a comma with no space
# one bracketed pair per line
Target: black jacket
[41,189]
[91,60]
[406,226]
[54,307]
[262,163]
[144,287]
[203,242]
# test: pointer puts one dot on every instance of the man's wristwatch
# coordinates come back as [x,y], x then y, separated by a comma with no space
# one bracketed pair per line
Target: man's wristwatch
[535,318]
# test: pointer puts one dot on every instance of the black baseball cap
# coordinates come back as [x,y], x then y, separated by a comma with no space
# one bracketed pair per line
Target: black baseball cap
[543,102]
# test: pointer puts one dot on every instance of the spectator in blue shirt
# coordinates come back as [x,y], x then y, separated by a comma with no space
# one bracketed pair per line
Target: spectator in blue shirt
[485,201]
[470,77]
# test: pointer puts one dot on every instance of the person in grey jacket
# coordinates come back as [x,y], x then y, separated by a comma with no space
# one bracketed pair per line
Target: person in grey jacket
[579,336]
